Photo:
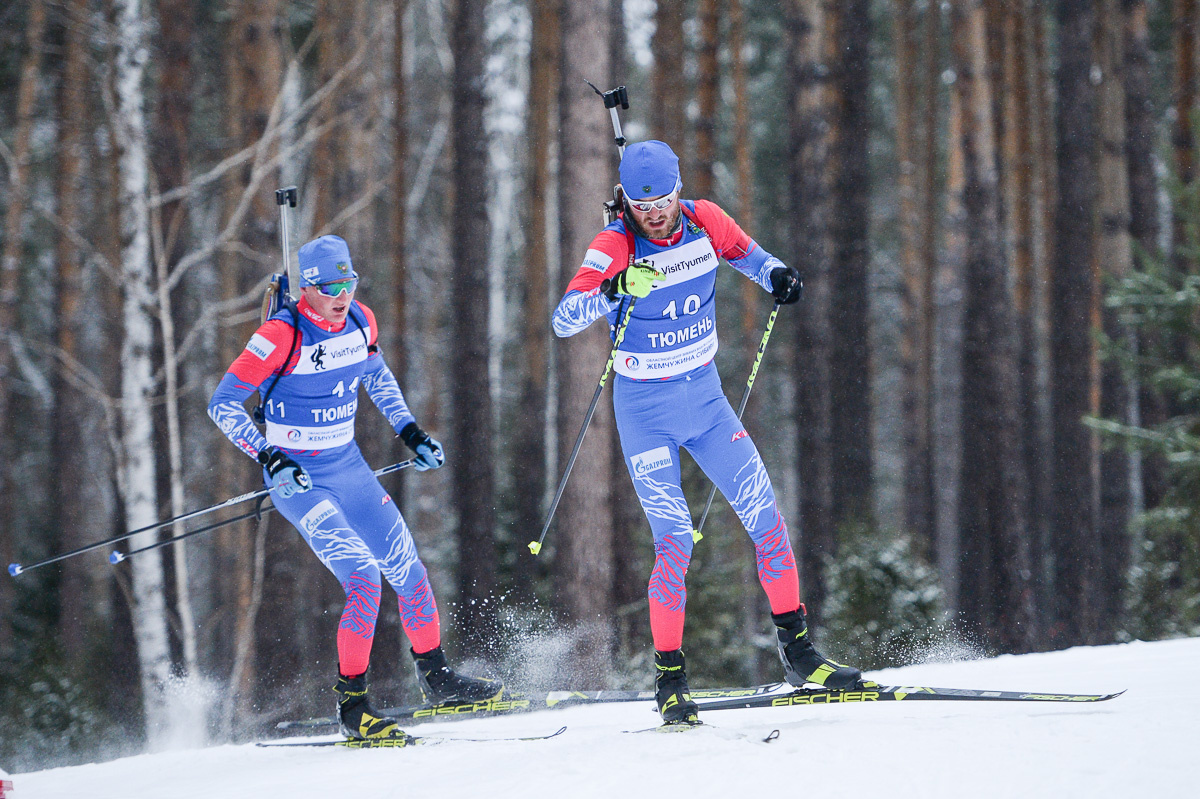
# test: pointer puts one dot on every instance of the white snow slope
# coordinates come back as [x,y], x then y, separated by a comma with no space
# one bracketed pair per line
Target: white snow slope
[1144,743]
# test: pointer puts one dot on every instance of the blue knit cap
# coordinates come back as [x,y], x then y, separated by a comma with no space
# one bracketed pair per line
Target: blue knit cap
[324,260]
[649,169]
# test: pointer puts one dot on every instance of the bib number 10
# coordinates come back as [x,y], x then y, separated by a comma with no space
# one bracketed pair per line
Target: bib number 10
[691,307]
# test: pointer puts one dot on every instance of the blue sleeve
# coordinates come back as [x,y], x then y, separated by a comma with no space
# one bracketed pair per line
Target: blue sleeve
[385,392]
[227,409]
[757,265]
[578,309]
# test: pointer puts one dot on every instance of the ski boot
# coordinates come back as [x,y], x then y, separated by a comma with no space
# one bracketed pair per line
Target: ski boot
[440,684]
[671,691]
[802,663]
[357,719]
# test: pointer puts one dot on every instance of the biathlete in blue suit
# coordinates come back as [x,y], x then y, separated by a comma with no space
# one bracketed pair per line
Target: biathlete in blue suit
[664,251]
[307,363]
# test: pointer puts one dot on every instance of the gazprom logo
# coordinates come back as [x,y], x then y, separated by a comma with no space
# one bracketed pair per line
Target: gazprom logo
[597,259]
[651,461]
[261,346]
[293,435]
[632,363]
[320,512]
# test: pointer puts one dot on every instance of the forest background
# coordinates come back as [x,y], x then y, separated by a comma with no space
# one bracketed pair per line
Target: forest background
[979,420]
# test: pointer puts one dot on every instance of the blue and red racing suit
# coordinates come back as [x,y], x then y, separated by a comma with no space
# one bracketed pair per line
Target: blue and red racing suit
[667,394]
[347,517]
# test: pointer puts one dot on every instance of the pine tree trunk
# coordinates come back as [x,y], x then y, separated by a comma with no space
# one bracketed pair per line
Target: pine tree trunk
[1185,24]
[170,156]
[1020,181]
[668,87]
[941,322]
[995,547]
[254,67]
[629,522]
[1073,288]
[1140,136]
[916,345]
[582,531]
[850,384]
[1039,405]
[808,113]
[474,482]
[138,476]
[1141,140]
[1118,396]
[708,88]
[948,404]
[17,192]
[754,608]
[529,460]
[80,583]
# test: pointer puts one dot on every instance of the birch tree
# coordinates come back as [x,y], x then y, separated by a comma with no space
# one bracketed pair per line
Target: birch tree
[138,468]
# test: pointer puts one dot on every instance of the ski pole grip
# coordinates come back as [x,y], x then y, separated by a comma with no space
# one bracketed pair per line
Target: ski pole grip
[116,557]
[14,569]
[286,195]
[616,97]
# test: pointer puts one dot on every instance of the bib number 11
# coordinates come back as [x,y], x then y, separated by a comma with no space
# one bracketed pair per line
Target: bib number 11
[340,388]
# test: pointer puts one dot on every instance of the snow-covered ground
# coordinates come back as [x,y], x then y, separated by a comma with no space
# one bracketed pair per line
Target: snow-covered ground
[1144,743]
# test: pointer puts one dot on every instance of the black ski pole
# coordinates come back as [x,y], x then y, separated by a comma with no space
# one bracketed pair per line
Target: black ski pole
[613,99]
[16,569]
[116,556]
[762,347]
[536,546]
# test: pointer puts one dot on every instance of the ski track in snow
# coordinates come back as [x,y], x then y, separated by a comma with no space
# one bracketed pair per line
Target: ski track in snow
[1141,744]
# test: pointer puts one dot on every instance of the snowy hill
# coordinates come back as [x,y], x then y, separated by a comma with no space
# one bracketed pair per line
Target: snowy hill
[1144,743]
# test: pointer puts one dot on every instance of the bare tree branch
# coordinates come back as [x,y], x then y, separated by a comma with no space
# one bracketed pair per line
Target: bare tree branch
[275,126]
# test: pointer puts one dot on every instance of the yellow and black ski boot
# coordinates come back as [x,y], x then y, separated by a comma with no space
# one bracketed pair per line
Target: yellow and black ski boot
[440,684]
[671,691]
[357,719]
[802,663]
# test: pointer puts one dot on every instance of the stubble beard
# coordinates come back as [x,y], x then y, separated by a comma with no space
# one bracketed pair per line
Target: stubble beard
[631,220]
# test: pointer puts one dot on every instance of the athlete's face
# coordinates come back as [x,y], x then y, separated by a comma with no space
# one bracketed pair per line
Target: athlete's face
[658,223]
[333,309]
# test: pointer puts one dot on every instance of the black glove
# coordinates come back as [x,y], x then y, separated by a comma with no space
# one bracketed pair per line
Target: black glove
[429,450]
[287,476]
[786,285]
